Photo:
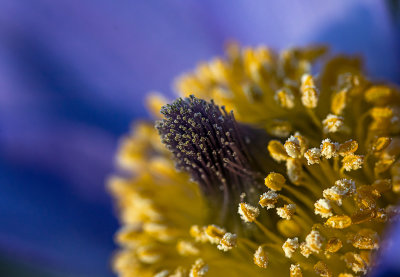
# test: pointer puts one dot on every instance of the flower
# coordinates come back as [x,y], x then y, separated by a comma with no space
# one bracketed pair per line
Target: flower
[237,146]
[73,74]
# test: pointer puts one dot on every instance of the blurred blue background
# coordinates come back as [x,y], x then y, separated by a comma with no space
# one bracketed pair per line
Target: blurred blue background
[73,76]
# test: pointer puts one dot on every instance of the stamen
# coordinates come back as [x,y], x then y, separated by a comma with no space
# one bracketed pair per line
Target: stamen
[228,242]
[322,269]
[309,93]
[199,269]
[338,221]
[268,199]
[323,207]
[332,123]
[260,257]
[290,246]
[247,212]
[295,270]
[187,248]
[287,211]
[275,181]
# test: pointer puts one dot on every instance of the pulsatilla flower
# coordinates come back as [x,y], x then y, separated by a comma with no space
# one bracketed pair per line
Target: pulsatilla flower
[263,167]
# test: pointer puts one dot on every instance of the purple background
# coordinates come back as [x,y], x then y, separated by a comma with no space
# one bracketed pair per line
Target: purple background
[73,76]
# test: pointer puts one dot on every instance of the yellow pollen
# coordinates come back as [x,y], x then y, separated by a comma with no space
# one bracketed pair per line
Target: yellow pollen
[292,147]
[309,93]
[355,262]
[323,208]
[247,212]
[290,246]
[268,199]
[227,242]
[260,257]
[275,181]
[187,248]
[378,94]
[338,222]
[347,148]
[332,123]
[285,98]
[295,270]
[198,269]
[277,151]
[287,211]
[365,239]
[313,156]
[381,143]
[314,241]
[352,162]
[214,233]
[333,245]
[329,149]
[322,269]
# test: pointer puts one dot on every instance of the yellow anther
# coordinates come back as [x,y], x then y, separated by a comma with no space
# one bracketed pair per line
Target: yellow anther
[292,147]
[268,199]
[381,143]
[382,185]
[214,233]
[148,254]
[333,245]
[305,250]
[159,231]
[338,221]
[365,239]
[383,164]
[287,211]
[199,269]
[347,148]
[187,248]
[247,212]
[289,228]
[332,123]
[363,215]
[345,275]
[279,128]
[329,149]
[377,94]
[228,242]
[380,113]
[355,262]
[260,257]
[277,151]
[303,142]
[395,174]
[294,170]
[198,233]
[163,273]
[309,93]
[290,246]
[313,156]
[295,270]
[352,162]
[339,102]
[322,269]
[128,234]
[314,241]
[275,181]
[285,98]
[323,208]
[342,188]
